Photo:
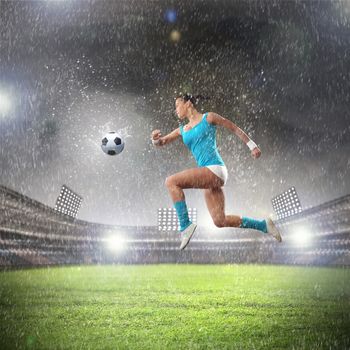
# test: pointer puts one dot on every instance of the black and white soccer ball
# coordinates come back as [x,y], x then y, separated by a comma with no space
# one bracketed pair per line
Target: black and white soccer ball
[112,143]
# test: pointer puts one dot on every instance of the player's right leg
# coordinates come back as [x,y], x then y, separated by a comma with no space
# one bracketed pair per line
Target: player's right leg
[215,200]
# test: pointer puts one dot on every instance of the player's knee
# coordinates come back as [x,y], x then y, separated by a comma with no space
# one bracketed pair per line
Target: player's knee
[169,181]
[219,221]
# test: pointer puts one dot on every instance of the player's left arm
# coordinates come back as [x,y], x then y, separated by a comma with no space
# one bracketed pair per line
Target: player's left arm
[216,119]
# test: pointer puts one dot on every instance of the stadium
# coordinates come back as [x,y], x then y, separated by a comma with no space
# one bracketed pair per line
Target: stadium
[33,234]
[134,282]
[98,248]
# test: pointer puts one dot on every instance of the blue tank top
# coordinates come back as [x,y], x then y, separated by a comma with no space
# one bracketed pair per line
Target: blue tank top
[201,141]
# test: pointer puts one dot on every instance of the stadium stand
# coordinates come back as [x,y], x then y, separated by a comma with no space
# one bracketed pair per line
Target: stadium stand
[33,234]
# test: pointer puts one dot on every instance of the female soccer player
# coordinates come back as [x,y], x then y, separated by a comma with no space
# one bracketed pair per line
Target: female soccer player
[199,135]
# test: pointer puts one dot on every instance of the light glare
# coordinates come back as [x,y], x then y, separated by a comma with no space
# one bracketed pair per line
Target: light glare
[302,236]
[5,103]
[116,243]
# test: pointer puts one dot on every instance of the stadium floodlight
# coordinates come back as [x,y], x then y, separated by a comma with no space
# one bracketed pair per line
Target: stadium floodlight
[168,221]
[286,204]
[68,202]
[116,243]
[301,236]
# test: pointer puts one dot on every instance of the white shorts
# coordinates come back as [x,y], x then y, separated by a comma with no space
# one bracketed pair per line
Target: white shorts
[219,170]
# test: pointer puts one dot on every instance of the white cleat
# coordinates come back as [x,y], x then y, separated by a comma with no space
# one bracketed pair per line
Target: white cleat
[272,230]
[187,235]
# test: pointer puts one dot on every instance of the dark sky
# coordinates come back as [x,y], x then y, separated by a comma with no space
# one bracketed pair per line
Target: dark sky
[74,70]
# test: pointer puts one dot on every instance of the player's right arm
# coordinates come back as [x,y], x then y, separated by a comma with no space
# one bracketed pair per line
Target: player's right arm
[156,135]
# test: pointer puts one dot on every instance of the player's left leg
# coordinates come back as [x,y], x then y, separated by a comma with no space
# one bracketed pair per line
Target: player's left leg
[191,178]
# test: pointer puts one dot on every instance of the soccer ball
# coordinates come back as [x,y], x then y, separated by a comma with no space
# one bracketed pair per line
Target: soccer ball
[112,143]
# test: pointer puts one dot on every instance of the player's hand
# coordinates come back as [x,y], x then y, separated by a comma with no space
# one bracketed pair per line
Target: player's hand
[256,153]
[156,134]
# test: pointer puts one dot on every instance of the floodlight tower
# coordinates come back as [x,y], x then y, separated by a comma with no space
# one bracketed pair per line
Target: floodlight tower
[168,221]
[287,203]
[68,202]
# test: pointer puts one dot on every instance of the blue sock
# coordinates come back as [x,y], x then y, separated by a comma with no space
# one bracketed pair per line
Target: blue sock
[254,224]
[182,214]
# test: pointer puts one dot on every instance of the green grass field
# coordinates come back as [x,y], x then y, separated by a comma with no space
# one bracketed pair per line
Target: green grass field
[175,307]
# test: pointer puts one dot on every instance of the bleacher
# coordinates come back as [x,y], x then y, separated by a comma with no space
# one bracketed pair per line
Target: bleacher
[33,234]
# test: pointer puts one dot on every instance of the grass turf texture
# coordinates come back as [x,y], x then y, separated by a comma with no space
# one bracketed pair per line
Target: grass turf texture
[175,307]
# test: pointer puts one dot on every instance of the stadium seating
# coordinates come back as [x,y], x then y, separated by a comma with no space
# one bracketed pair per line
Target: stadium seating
[33,234]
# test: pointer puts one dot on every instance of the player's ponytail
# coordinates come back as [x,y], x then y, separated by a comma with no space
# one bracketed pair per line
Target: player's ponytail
[201,97]
[194,99]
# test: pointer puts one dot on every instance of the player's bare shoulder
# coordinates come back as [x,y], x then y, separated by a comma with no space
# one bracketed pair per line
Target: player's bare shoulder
[213,118]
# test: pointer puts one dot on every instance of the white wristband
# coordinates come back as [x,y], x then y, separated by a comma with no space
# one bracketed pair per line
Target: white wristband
[155,142]
[251,144]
